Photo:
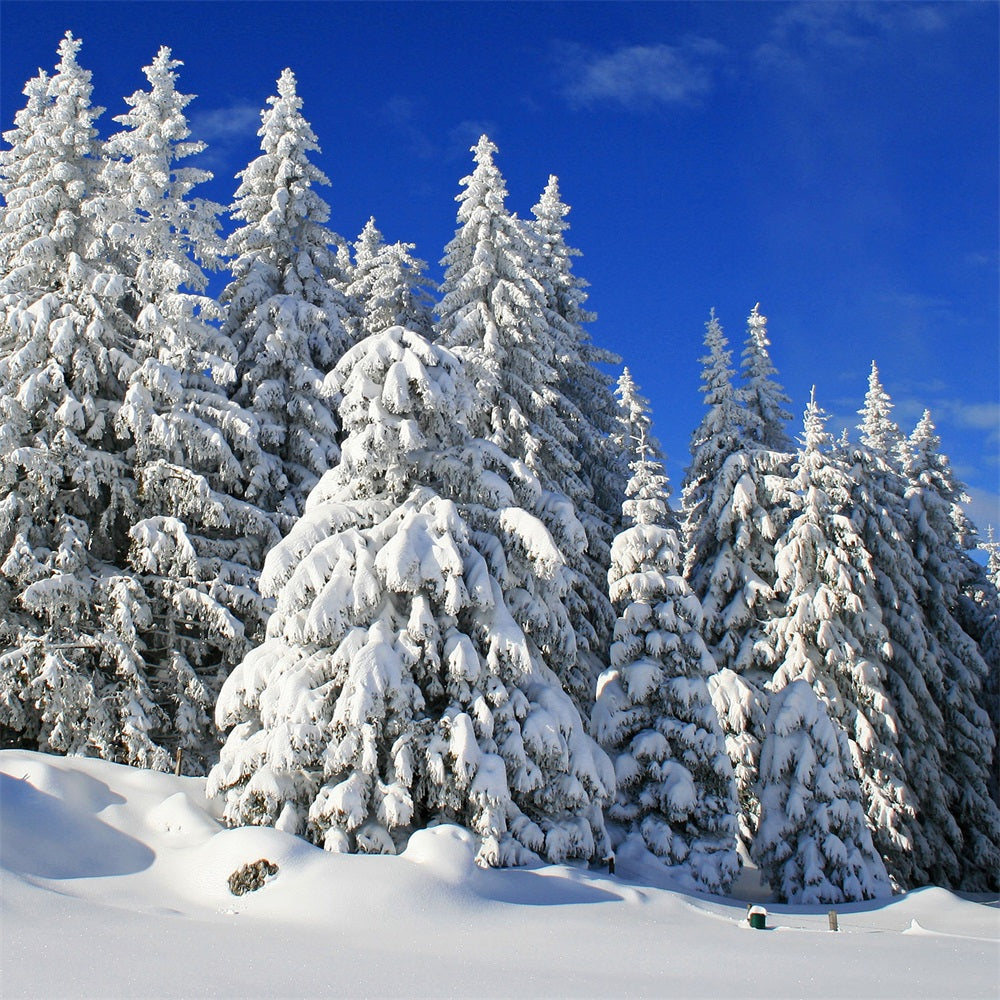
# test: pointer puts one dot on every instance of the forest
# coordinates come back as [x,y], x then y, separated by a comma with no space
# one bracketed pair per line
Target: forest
[375,555]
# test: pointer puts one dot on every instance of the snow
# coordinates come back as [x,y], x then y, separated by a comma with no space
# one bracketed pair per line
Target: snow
[114,884]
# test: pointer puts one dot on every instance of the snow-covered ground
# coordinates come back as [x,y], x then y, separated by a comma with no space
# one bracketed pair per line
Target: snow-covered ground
[114,884]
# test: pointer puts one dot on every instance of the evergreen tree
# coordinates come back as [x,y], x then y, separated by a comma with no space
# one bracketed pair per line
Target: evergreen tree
[284,313]
[197,540]
[941,535]
[395,689]
[813,846]
[734,503]
[653,713]
[70,676]
[911,671]
[493,315]
[766,416]
[586,392]
[830,632]
[989,646]
[388,284]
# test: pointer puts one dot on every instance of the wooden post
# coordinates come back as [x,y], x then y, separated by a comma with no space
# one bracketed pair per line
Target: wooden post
[832,917]
[177,766]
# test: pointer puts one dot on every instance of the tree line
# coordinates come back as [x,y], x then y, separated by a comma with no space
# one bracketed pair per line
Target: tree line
[375,555]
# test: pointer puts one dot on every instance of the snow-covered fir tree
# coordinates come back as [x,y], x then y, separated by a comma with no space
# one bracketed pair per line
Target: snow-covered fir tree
[766,418]
[989,646]
[734,509]
[911,669]
[813,845]
[71,679]
[830,631]
[586,396]
[388,286]
[493,315]
[198,540]
[653,712]
[395,688]
[284,311]
[941,535]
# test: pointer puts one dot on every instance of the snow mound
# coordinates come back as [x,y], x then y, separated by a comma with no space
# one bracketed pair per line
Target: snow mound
[115,883]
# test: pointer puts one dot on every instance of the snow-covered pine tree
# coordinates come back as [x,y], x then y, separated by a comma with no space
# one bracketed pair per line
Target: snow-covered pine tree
[388,286]
[989,646]
[493,315]
[70,677]
[284,311]
[830,632]
[734,507]
[813,845]
[911,671]
[653,713]
[197,541]
[586,398]
[766,417]
[941,535]
[395,689]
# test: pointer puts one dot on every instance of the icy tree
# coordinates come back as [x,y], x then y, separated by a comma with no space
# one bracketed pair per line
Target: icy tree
[388,286]
[493,315]
[941,535]
[812,845]
[653,712]
[830,631]
[989,644]
[71,679]
[283,311]
[911,670]
[395,688]
[766,417]
[197,541]
[586,392]
[734,509]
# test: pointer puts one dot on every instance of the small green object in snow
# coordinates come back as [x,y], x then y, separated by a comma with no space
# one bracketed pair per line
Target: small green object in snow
[757,916]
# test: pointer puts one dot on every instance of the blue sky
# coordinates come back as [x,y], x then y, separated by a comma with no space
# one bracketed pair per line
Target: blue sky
[835,162]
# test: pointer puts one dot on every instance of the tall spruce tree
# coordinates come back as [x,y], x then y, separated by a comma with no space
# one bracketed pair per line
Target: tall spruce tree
[653,712]
[734,506]
[284,312]
[71,679]
[941,535]
[395,688]
[911,670]
[493,315]
[197,540]
[586,397]
[830,632]
[766,418]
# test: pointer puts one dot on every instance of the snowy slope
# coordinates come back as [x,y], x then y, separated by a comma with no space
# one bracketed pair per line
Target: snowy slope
[114,884]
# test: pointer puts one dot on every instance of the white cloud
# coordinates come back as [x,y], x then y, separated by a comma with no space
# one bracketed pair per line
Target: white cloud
[225,130]
[221,124]
[800,30]
[983,509]
[640,76]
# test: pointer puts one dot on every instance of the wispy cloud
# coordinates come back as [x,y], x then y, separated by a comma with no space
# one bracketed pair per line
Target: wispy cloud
[406,116]
[224,130]
[983,509]
[403,115]
[801,30]
[639,77]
